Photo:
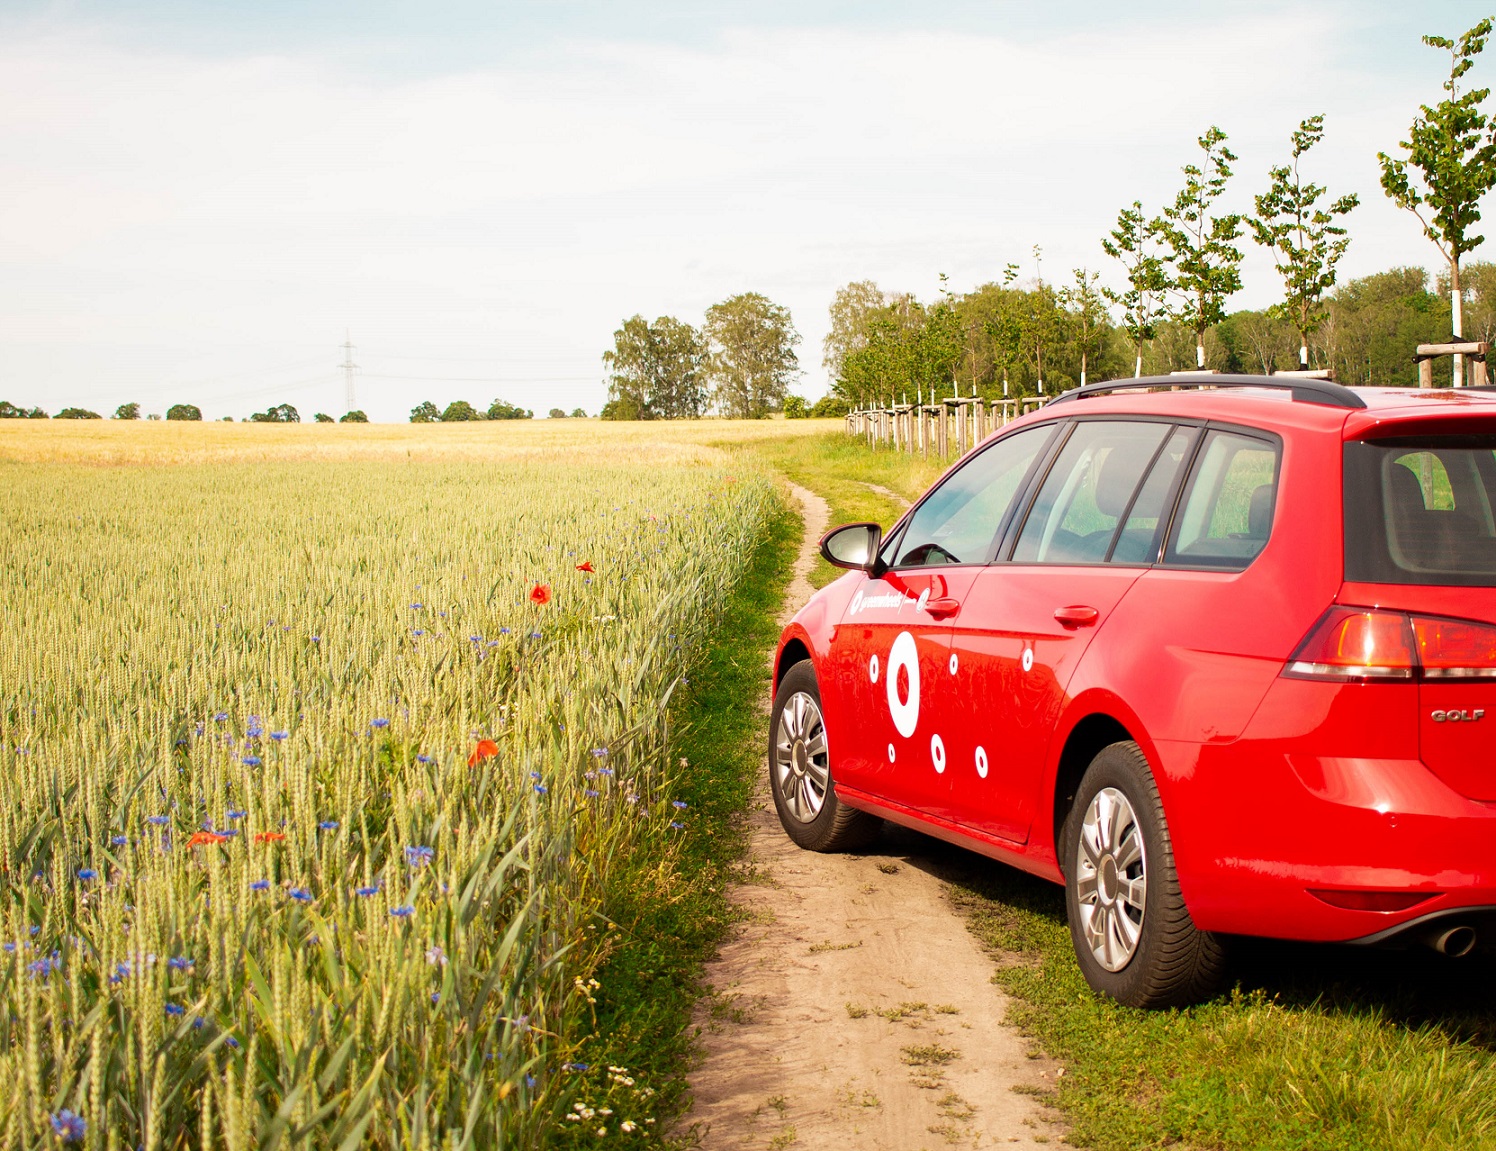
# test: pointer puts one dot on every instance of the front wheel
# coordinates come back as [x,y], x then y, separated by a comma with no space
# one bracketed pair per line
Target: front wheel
[800,770]
[1133,935]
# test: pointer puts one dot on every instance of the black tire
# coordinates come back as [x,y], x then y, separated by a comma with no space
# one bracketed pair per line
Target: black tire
[800,771]
[1171,963]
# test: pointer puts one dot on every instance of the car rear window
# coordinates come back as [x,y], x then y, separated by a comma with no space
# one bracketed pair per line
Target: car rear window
[1419,511]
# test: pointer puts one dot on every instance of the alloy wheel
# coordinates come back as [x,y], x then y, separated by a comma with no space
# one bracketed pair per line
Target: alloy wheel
[801,766]
[1111,881]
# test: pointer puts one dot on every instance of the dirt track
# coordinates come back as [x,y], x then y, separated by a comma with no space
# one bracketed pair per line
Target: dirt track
[854,1010]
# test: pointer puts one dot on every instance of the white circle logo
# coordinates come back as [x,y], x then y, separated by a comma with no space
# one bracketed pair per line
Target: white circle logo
[1028,659]
[937,754]
[890,753]
[955,663]
[982,762]
[872,669]
[905,657]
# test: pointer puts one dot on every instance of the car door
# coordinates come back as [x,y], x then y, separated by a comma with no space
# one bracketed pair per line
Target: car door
[1091,531]
[890,654]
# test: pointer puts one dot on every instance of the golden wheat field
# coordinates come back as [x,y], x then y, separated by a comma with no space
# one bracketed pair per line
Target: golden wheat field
[317,746]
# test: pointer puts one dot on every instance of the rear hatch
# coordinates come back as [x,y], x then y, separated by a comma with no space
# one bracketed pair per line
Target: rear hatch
[1420,543]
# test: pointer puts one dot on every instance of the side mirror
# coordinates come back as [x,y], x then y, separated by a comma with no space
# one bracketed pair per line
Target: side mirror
[854,546]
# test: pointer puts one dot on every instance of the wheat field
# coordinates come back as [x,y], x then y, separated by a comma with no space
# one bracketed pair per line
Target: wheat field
[319,748]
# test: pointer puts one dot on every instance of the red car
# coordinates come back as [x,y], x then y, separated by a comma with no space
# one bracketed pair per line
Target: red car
[1221,659]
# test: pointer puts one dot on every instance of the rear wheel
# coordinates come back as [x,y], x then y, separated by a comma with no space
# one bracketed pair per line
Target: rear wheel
[800,770]
[1133,935]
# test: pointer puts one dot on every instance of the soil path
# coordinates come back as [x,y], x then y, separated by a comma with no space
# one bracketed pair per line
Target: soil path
[886,493]
[853,1010]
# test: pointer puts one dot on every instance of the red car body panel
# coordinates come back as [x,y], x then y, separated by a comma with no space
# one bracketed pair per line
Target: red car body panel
[1273,787]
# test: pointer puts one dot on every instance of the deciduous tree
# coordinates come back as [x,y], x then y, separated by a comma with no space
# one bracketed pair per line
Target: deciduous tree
[425,413]
[656,371]
[1201,246]
[1453,148]
[1134,244]
[753,359]
[184,412]
[1088,318]
[127,412]
[1303,237]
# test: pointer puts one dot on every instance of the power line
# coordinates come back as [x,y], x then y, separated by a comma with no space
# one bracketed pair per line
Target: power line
[486,379]
[348,366]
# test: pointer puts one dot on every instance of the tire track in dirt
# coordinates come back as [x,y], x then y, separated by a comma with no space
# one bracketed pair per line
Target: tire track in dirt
[853,1009]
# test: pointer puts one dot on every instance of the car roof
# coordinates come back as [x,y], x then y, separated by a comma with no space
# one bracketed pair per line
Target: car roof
[1281,402]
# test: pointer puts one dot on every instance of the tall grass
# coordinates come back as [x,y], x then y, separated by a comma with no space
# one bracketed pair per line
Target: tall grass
[261,883]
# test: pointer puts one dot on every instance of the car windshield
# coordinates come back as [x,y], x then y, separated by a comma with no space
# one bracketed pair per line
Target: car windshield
[1419,511]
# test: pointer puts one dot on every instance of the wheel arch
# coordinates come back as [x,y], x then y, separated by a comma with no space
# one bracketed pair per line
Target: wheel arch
[1085,739]
[792,651]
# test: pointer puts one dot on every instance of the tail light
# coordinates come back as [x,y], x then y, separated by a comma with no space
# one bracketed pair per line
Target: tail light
[1352,644]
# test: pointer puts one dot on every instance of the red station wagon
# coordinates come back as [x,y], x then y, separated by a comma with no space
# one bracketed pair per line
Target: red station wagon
[1221,659]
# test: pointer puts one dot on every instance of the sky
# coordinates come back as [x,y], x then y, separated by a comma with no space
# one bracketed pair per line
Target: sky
[201,202]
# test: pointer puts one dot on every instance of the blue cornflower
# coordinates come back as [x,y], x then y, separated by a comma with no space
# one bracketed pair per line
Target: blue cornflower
[535,775]
[232,1042]
[300,894]
[574,1066]
[366,890]
[315,639]
[180,963]
[68,1126]
[252,761]
[199,1023]
[534,635]
[680,804]
[417,856]
[436,997]
[254,730]
[423,759]
[260,885]
[328,825]
[476,638]
[45,965]
[529,1081]
[404,911]
[591,794]
[158,820]
[220,717]
[540,789]
[503,631]
[175,1009]
[677,826]
[599,751]
[279,735]
[416,606]
[380,723]
[118,840]
[234,814]
[87,873]
[418,631]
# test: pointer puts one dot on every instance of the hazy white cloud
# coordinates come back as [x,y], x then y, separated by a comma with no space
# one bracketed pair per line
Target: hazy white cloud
[174,227]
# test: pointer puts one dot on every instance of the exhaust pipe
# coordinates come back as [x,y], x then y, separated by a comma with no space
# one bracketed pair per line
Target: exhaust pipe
[1454,941]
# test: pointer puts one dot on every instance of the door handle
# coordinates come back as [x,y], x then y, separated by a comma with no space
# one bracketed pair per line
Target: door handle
[1077,615]
[942,606]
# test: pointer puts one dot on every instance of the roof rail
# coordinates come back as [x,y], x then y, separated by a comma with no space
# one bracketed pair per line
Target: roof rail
[1306,391]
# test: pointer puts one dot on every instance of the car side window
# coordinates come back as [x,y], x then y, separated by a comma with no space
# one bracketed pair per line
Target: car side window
[958,521]
[1088,490]
[1227,512]
[1138,541]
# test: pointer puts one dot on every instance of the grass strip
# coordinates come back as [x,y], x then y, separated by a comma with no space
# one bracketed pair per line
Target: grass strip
[671,915]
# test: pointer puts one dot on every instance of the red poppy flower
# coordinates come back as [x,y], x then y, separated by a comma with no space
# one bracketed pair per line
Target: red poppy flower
[584,567]
[269,836]
[201,837]
[486,749]
[540,594]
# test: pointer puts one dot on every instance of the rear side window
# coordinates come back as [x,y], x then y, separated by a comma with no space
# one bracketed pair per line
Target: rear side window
[1419,511]
[958,522]
[1087,492]
[1227,511]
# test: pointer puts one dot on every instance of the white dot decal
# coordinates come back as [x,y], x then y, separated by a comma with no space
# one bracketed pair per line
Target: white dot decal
[890,753]
[872,669]
[937,754]
[1028,659]
[982,762]
[955,663]
[905,657]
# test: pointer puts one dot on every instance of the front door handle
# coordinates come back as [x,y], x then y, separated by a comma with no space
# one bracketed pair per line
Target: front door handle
[1077,615]
[942,606]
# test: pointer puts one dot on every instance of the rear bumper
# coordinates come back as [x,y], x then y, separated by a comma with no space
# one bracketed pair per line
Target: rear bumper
[1427,929]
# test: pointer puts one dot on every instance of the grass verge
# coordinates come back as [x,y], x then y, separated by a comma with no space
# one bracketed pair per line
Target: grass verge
[668,925]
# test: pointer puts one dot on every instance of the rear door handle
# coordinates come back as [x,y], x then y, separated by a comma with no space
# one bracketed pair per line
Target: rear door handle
[942,606]
[1077,615]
